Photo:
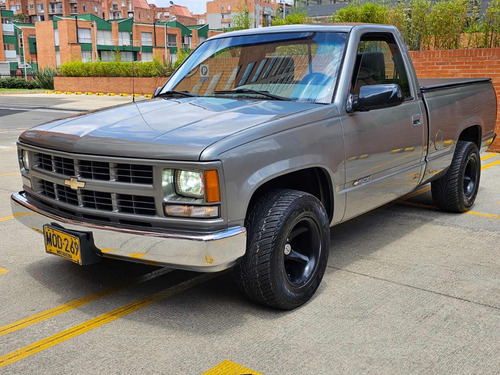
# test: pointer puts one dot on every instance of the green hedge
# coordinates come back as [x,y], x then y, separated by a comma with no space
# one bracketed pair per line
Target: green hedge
[426,24]
[17,83]
[115,69]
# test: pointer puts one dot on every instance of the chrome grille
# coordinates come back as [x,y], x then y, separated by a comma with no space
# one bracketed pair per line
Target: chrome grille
[103,192]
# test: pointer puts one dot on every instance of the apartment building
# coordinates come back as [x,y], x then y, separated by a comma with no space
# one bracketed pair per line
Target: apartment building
[220,13]
[90,38]
[45,10]
[138,10]
[177,13]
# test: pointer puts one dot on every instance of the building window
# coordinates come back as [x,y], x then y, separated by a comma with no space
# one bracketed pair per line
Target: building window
[124,38]
[86,56]
[147,39]
[228,8]
[32,6]
[127,56]
[171,40]
[104,37]
[147,56]
[84,7]
[56,37]
[95,9]
[39,8]
[58,59]
[106,56]
[84,36]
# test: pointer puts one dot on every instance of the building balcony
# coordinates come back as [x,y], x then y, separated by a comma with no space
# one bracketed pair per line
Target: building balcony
[10,56]
[7,29]
[225,20]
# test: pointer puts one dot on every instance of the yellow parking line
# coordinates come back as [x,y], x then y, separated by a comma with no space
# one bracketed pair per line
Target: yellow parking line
[431,207]
[483,215]
[230,368]
[489,156]
[3,270]
[490,165]
[6,218]
[12,327]
[8,174]
[100,320]
[8,149]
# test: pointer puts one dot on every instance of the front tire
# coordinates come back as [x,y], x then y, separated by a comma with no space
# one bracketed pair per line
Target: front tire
[456,191]
[287,249]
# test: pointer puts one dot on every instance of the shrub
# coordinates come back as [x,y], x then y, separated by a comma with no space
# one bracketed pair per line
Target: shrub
[17,83]
[44,78]
[492,25]
[295,18]
[447,21]
[115,69]
[426,24]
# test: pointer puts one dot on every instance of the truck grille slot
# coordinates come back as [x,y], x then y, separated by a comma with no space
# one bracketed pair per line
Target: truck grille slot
[137,205]
[64,166]
[138,174]
[44,162]
[66,195]
[95,170]
[97,200]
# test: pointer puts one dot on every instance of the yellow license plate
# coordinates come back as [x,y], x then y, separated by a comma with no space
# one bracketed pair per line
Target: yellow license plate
[63,244]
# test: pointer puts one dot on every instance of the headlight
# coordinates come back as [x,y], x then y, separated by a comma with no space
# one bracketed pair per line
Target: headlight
[190,184]
[26,160]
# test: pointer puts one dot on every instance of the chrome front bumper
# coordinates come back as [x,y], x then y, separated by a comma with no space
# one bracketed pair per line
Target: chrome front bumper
[197,252]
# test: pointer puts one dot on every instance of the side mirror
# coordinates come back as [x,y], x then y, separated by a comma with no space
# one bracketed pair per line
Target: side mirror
[375,97]
[157,91]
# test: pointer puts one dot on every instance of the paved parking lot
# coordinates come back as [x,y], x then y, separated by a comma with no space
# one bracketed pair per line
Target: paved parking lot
[408,289]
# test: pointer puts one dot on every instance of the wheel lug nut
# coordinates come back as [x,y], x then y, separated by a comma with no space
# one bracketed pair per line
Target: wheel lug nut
[288,249]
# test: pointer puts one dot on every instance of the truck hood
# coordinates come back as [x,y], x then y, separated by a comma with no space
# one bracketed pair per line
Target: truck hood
[177,129]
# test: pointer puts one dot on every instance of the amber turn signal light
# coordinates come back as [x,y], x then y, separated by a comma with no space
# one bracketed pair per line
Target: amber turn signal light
[212,189]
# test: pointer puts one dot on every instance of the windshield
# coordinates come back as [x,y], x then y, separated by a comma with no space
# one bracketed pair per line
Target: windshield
[289,66]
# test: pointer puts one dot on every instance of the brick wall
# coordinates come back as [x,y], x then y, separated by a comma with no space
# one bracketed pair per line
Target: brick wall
[46,50]
[117,85]
[465,63]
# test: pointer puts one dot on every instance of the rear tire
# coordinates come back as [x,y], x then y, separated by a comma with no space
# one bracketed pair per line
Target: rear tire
[287,249]
[456,191]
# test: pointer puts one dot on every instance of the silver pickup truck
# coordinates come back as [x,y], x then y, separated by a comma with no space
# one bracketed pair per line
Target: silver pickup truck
[255,146]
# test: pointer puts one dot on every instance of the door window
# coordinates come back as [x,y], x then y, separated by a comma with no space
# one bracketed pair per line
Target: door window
[379,61]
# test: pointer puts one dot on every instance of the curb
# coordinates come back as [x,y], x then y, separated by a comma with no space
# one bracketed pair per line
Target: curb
[89,93]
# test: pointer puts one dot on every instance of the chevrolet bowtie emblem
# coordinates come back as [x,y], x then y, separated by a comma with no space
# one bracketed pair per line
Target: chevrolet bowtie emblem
[74,184]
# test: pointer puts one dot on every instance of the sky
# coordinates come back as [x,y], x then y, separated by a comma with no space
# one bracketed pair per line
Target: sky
[195,6]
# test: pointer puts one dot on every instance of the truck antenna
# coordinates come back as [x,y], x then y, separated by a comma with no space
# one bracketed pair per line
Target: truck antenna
[133,81]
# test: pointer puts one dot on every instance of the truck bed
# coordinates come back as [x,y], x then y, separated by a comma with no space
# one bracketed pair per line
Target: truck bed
[454,104]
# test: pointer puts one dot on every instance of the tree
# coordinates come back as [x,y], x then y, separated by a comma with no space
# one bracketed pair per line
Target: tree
[242,19]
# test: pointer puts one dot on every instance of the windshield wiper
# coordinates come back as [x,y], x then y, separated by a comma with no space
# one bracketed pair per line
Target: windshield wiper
[175,93]
[251,91]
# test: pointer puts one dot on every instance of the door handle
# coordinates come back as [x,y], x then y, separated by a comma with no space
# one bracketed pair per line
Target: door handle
[416,120]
